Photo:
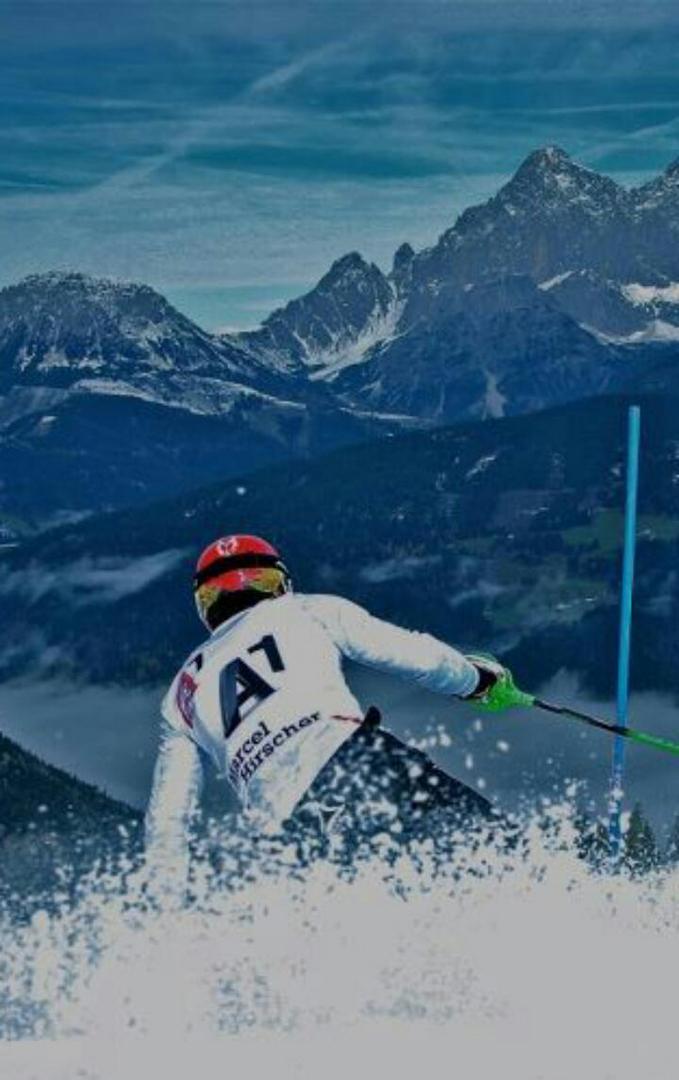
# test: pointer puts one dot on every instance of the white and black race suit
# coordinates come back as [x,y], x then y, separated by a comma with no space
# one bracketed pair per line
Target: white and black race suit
[265,698]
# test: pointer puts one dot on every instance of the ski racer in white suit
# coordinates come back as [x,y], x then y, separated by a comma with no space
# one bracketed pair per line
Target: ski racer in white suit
[265,698]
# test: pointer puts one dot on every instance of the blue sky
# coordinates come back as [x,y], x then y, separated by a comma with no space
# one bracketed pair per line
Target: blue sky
[226,153]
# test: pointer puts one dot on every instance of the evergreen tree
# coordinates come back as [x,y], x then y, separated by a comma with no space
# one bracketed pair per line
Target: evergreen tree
[672,849]
[591,840]
[640,848]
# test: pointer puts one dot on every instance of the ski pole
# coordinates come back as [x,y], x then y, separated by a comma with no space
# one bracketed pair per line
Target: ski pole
[614,729]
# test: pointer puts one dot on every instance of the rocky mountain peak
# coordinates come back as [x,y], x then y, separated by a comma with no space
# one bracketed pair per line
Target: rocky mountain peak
[402,267]
[347,266]
[350,301]
[60,327]
[550,181]
[553,216]
[549,190]
[547,158]
[403,256]
[76,287]
[661,193]
[351,275]
[73,297]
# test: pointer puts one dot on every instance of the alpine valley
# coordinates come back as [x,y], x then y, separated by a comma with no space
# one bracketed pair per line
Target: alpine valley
[506,532]
[563,286]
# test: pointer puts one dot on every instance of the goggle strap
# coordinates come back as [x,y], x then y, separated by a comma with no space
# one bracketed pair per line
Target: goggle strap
[236,562]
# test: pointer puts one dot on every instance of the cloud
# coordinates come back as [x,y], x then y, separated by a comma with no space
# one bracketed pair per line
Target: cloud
[398,569]
[90,580]
[106,736]
[321,58]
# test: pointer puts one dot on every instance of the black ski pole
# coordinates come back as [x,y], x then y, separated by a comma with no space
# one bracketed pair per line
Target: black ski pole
[613,729]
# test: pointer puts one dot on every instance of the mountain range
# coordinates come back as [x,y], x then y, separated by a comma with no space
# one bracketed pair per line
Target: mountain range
[109,396]
[562,277]
[561,286]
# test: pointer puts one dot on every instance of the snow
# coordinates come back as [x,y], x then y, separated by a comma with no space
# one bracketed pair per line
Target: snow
[481,465]
[118,388]
[656,330]
[660,330]
[551,283]
[380,329]
[56,358]
[398,569]
[659,191]
[406,420]
[196,394]
[649,294]
[529,968]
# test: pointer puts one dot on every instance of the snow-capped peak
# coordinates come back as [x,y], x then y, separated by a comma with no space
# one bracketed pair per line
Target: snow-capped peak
[345,307]
[349,267]
[661,192]
[549,179]
[64,326]
[548,157]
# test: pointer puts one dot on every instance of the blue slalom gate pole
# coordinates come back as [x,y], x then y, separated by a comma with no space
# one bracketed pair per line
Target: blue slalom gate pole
[618,766]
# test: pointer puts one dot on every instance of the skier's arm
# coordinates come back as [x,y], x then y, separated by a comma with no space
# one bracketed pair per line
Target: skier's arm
[408,653]
[177,784]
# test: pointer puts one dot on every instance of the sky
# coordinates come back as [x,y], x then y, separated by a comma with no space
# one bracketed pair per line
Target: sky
[226,153]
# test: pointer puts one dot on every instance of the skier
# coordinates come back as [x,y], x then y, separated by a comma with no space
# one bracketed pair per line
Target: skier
[265,699]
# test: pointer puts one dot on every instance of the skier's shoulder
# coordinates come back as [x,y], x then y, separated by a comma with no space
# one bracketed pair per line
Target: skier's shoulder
[338,616]
[326,605]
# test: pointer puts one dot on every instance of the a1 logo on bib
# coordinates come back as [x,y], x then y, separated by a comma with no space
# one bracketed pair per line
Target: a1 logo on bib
[239,684]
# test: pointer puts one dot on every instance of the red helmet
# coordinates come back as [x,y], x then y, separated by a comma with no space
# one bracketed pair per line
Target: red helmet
[233,573]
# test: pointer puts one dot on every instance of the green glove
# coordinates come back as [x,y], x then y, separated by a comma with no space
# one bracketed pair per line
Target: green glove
[497,691]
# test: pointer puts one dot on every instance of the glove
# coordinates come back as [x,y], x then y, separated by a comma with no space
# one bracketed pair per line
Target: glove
[496,690]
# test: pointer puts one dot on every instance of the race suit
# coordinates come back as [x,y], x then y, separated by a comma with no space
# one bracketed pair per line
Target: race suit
[266,700]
